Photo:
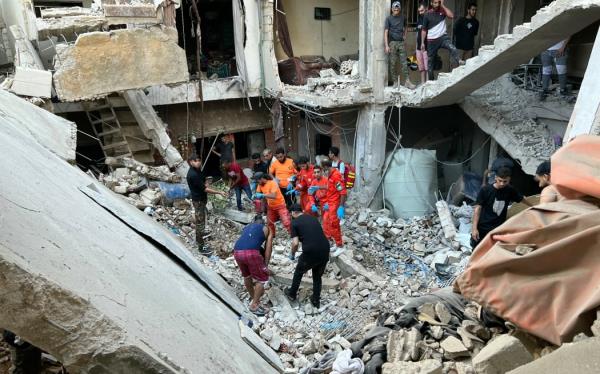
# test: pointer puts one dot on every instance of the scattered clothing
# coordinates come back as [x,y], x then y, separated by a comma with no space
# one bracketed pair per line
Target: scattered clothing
[345,364]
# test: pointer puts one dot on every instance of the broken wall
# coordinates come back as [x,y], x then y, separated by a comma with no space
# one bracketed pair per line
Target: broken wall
[83,285]
[335,37]
[103,62]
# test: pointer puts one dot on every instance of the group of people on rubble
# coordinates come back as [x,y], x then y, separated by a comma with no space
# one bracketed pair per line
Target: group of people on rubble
[432,36]
[307,199]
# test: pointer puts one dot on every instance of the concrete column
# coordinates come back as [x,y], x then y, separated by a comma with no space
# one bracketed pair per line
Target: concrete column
[370,152]
[372,58]
[586,114]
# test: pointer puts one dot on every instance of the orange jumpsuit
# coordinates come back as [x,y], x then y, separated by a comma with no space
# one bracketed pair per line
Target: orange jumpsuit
[336,188]
[318,198]
[304,179]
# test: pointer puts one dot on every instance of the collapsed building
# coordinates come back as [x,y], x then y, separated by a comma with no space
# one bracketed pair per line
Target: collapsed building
[159,80]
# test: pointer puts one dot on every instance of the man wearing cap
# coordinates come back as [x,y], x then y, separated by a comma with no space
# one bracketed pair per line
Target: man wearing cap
[199,190]
[252,264]
[276,209]
[394,36]
[315,253]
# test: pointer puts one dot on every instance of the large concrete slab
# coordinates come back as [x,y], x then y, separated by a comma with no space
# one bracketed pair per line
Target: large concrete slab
[559,20]
[32,82]
[54,133]
[103,62]
[80,283]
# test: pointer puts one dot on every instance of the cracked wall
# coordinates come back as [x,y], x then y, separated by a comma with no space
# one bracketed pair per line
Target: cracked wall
[103,62]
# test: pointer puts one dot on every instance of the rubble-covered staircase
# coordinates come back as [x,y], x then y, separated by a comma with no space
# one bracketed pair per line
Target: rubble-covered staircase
[555,22]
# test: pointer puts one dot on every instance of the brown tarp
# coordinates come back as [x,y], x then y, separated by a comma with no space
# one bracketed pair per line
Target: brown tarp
[282,28]
[552,291]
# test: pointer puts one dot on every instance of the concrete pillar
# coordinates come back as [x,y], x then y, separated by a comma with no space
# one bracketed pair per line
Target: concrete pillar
[372,58]
[370,152]
[586,114]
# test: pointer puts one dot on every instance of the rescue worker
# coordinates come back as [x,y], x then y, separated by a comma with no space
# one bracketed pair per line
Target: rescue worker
[333,207]
[303,182]
[317,191]
[276,209]
[283,170]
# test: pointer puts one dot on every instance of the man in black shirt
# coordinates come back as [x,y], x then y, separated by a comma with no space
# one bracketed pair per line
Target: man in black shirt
[394,36]
[259,165]
[492,205]
[198,190]
[465,30]
[225,149]
[307,230]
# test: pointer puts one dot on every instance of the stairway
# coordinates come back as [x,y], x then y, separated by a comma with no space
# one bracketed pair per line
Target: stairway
[549,25]
[118,131]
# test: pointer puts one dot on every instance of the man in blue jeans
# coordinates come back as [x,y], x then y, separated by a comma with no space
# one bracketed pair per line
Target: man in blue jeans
[238,181]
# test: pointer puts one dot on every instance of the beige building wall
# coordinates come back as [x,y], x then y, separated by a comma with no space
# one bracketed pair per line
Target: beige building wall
[339,36]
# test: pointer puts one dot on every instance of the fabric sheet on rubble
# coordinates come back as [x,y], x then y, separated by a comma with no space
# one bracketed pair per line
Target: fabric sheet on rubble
[551,289]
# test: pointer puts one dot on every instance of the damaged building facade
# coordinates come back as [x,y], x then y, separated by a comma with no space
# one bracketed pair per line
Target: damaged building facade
[158,80]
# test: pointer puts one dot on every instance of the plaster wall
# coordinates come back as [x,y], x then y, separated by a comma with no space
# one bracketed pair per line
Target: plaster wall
[338,36]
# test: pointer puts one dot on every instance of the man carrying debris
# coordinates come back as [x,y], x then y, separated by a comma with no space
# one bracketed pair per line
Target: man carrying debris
[247,254]
[283,170]
[492,205]
[276,209]
[465,31]
[333,205]
[434,32]
[394,36]
[556,54]
[315,253]
[238,181]
[199,190]
[317,191]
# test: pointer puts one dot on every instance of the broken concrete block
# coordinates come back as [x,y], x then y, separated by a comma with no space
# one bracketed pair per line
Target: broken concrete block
[326,73]
[103,62]
[501,355]
[453,348]
[150,196]
[120,189]
[596,325]
[32,82]
[286,312]
[406,367]
[402,345]
[446,219]
[442,313]
[580,358]
[348,266]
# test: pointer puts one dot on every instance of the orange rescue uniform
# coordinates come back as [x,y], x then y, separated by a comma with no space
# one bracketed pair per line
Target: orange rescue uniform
[336,188]
[303,181]
[276,208]
[283,171]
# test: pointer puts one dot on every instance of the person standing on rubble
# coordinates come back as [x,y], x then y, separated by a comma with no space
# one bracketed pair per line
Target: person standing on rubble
[303,182]
[276,209]
[394,37]
[435,34]
[225,149]
[315,253]
[422,59]
[238,181]
[556,54]
[283,169]
[334,206]
[252,264]
[317,191]
[465,31]
[199,190]
[268,158]
[542,175]
[336,162]
[492,204]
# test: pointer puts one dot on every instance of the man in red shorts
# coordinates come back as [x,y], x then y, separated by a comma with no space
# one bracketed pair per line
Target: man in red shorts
[252,264]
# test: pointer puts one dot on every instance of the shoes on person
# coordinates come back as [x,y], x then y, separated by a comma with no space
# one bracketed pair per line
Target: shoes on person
[259,311]
[338,251]
[461,62]
[332,248]
[288,294]
[543,95]
[315,303]
[410,85]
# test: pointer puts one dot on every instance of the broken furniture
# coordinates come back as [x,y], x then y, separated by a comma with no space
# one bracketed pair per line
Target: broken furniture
[296,71]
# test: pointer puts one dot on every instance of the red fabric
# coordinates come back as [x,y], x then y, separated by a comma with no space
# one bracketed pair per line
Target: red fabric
[331,224]
[318,197]
[279,213]
[303,181]
[252,264]
[233,170]
[336,187]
